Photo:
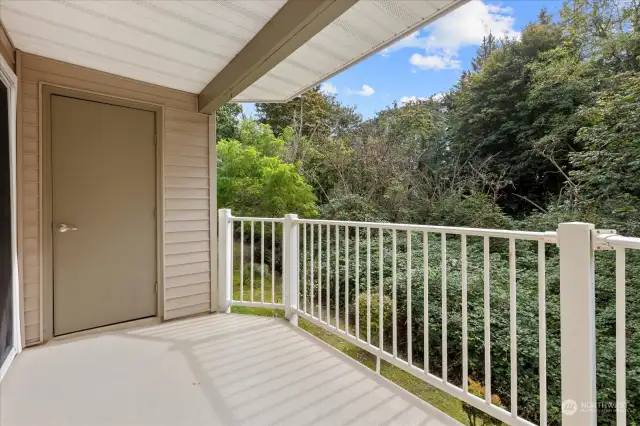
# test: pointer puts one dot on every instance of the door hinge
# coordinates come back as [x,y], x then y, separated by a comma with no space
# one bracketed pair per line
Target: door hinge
[156,286]
[155,139]
[155,212]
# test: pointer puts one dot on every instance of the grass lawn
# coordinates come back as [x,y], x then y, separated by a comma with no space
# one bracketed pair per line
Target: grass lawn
[242,290]
[440,400]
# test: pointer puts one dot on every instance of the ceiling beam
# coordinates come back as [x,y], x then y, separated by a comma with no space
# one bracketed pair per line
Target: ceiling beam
[292,26]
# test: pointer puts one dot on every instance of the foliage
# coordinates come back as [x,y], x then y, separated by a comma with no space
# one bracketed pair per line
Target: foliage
[315,116]
[475,210]
[608,169]
[252,181]
[492,119]
[228,122]
[475,416]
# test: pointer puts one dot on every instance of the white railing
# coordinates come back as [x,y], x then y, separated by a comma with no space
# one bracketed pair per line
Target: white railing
[317,277]
[235,231]
[609,240]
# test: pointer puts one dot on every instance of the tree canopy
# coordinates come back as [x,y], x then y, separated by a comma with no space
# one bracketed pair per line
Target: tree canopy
[253,181]
[228,121]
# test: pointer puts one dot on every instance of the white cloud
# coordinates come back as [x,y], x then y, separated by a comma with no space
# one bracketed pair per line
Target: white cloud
[409,99]
[466,26]
[434,62]
[366,90]
[328,89]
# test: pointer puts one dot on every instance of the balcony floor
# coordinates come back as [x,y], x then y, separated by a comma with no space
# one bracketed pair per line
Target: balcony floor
[210,370]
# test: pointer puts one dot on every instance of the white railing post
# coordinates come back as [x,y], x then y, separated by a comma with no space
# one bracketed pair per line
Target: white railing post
[577,324]
[291,267]
[225,264]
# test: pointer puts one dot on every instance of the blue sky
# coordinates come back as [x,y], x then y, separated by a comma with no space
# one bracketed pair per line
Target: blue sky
[430,61]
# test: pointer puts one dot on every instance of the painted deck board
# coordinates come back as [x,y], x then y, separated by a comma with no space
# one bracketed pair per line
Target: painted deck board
[209,370]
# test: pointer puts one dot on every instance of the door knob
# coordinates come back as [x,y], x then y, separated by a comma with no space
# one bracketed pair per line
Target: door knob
[63,227]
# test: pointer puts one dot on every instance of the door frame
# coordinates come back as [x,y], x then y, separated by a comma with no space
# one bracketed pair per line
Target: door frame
[10,80]
[46,228]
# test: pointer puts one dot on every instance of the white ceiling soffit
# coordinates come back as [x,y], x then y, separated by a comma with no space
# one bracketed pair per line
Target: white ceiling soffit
[177,44]
[369,26]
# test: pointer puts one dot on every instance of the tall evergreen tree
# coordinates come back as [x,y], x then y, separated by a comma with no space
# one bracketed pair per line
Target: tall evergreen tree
[489,44]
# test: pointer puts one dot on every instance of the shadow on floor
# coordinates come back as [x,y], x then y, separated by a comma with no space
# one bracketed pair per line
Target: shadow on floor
[211,370]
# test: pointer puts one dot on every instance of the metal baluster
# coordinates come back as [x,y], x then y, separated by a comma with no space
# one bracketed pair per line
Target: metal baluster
[252,237]
[273,262]
[284,257]
[337,277]
[409,338]
[233,236]
[445,356]
[346,279]
[542,334]
[394,294]
[357,289]
[242,261]
[465,337]
[304,266]
[312,268]
[368,285]
[320,272]
[380,296]
[425,272]
[487,324]
[328,274]
[262,261]
[513,324]
[621,330]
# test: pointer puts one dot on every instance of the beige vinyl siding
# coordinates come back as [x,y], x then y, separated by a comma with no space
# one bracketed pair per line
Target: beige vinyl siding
[187,260]
[29,209]
[187,251]
[187,254]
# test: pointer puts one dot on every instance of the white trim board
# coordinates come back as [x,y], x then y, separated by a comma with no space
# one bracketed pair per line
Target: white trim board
[10,80]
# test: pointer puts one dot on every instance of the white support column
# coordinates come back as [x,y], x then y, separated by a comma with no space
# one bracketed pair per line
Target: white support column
[577,324]
[291,239]
[225,265]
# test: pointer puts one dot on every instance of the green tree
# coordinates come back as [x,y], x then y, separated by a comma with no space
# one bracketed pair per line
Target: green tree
[605,31]
[492,119]
[253,181]
[417,128]
[489,44]
[314,115]
[608,169]
[228,121]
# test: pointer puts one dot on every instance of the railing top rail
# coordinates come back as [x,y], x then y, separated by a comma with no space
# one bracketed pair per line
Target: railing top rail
[257,219]
[619,241]
[612,240]
[549,237]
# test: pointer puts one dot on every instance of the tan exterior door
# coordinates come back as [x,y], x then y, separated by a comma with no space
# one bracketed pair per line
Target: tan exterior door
[104,184]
